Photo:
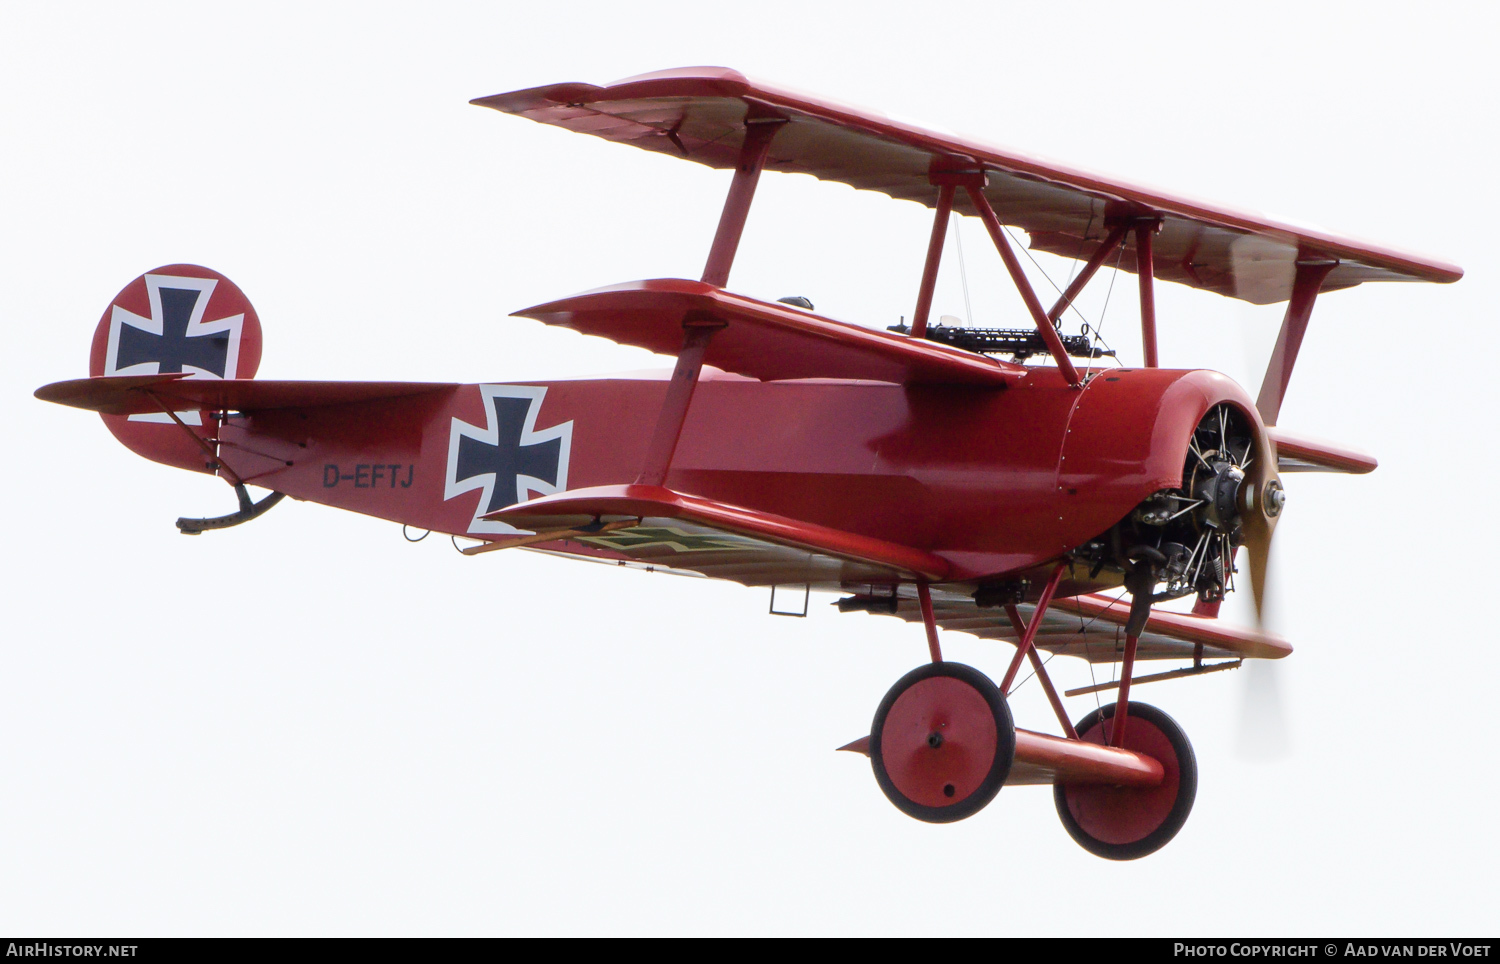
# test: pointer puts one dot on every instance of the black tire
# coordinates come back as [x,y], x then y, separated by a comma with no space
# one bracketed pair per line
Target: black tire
[968,803]
[1176,808]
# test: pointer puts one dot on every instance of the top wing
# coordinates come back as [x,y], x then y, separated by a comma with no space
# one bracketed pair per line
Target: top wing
[766,341]
[699,113]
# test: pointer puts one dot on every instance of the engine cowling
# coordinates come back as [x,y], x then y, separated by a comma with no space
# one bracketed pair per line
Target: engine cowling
[1214,468]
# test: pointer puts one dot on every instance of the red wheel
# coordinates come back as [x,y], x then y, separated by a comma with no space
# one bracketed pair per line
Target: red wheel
[1123,823]
[942,742]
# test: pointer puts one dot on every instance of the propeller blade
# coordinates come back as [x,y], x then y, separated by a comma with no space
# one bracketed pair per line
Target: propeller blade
[1262,731]
[1261,500]
[1257,542]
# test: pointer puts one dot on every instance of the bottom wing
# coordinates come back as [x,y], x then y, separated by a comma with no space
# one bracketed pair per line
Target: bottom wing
[672,530]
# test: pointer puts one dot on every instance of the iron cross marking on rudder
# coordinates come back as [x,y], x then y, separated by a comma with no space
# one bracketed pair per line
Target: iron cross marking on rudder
[175,338]
[507,458]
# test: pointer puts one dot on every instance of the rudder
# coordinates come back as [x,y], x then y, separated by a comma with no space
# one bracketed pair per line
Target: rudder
[176,318]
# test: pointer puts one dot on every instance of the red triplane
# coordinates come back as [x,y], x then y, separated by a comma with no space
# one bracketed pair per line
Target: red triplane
[910,468]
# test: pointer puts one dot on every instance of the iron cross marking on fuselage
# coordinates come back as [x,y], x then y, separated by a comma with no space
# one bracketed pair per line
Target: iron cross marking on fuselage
[509,459]
[174,347]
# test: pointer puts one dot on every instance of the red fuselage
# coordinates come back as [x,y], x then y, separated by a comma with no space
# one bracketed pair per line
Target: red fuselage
[995,481]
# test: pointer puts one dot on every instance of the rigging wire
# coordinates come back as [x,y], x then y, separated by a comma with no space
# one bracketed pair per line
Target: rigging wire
[1082,240]
[1088,657]
[1103,312]
[1027,251]
[1088,650]
[1088,329]
[963,274]
[1033,672]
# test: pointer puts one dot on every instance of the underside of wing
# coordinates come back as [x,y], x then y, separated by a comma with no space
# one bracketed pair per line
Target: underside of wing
[654,526]
[1092,627]
[701,113]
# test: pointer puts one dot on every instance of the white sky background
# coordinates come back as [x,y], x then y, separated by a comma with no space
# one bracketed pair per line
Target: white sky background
[307,726]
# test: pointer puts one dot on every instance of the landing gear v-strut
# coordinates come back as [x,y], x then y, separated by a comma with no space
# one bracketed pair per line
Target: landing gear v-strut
[943,742]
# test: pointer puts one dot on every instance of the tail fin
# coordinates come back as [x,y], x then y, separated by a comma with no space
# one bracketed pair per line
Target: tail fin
[178,318]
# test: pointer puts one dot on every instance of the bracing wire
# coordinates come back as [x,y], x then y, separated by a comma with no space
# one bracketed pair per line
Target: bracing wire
[1094,330]
[963,274]
[1088,657]
[1033,672]
[1082,240]
[1027,251]
[1098,332]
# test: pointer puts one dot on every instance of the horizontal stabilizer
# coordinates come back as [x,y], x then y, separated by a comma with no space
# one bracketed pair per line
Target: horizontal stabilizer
[725,541]
[143,394]
[1298,453]
[767,341]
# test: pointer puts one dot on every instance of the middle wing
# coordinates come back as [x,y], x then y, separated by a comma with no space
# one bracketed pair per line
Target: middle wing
[767,341]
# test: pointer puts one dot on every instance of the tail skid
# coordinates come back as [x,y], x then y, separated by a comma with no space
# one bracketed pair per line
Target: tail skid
[248,510]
